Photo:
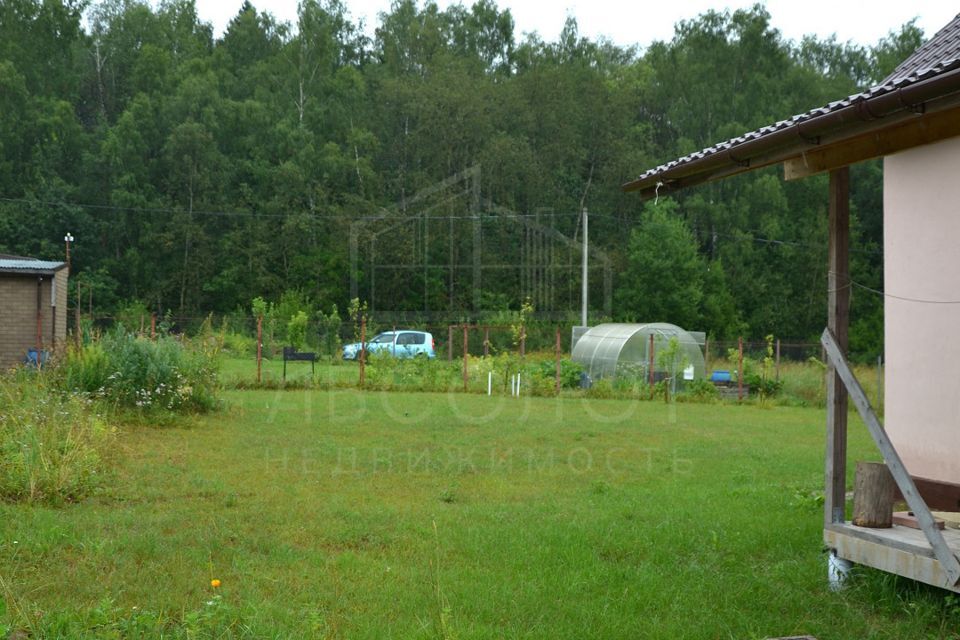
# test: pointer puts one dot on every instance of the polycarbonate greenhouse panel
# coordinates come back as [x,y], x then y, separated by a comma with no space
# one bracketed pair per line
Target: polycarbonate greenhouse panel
[620,350]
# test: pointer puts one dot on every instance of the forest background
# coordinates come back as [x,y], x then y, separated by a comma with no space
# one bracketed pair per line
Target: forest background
[197,173]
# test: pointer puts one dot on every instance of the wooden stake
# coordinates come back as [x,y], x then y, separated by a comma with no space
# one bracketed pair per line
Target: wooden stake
[740,370]
[778,360]
[486,341]
[466,356]
[450,343]
[76,313]
[557,353]
[650,372]
[259,346]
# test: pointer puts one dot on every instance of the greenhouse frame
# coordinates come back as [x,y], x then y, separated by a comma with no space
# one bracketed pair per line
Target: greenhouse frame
[622,350]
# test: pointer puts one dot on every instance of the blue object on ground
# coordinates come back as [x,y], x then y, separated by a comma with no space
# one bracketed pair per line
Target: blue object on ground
[32,358]
[585,381]
[720,375]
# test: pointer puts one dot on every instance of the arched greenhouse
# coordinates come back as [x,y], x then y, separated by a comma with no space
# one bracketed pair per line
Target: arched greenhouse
[615,350]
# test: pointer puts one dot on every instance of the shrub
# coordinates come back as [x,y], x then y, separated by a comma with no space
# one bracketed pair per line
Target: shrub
[700,390]
[133,372]
[329,332]
[570,371]
[297,331]
[51,444]
[239,344]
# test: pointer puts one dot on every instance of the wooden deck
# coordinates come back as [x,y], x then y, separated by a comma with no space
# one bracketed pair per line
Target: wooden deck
[900,550]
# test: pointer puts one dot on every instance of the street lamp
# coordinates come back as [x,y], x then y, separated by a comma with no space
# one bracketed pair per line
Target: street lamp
[68,239]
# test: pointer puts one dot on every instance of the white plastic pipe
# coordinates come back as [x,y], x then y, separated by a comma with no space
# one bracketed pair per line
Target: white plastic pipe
[490,383]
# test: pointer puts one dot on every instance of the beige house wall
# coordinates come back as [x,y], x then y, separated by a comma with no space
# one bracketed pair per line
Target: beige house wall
[922,261]
[18,314]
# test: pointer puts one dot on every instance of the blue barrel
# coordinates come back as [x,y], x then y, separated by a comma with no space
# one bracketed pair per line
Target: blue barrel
[720,375]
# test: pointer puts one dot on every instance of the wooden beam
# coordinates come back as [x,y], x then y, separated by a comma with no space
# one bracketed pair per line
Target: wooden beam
[895,551]
[838,288]
[941,550]
[920,130]
[944,496]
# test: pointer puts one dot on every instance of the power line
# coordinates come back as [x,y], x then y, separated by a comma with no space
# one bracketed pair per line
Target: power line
[853,283]
[385,216]
[904,298]
[388,216]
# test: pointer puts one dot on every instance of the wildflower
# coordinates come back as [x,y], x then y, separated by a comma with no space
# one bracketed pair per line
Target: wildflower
[215,583]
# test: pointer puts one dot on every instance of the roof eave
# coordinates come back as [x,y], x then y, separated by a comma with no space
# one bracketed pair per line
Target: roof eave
[876,112]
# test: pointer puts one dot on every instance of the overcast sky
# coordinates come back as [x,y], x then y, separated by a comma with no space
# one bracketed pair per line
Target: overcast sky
[629,22]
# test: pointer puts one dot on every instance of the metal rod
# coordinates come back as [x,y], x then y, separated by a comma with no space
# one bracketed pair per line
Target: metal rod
[363,348]
[584,260]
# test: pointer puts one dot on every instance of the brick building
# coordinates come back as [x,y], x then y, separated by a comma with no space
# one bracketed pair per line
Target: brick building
[33,306]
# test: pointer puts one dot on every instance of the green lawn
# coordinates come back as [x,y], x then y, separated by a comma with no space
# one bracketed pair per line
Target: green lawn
[365,515]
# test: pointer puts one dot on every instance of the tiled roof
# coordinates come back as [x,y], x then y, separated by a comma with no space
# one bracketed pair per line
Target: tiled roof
[937,56]
[940,50]
[29,265]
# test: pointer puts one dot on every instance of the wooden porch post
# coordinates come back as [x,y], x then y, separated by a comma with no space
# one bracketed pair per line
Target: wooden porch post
[838,288]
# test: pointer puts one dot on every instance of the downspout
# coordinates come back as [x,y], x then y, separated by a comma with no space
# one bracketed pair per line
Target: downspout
[53,312]
[39,318]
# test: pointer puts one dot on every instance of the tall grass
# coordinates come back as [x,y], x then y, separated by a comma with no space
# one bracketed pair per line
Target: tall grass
[51,444]
[128,371]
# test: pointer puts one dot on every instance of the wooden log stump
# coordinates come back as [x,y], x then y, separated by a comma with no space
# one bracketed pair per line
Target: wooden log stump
[873,492]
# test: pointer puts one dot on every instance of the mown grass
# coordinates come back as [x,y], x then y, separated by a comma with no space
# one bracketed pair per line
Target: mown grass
[371,515]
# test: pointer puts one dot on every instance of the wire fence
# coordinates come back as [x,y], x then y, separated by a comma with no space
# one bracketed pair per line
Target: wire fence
[450,339]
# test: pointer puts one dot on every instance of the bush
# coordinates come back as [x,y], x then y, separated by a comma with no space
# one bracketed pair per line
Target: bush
[700,390]
[570,372]
[133,372]
[51,445]
[239,344]
[297,331]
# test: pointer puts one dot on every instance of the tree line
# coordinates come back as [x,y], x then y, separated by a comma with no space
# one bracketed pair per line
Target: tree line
[197,172]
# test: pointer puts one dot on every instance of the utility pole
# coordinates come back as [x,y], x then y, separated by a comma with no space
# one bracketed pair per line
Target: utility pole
[583,313]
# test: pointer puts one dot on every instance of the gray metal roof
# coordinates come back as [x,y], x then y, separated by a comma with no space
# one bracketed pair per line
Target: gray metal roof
[937,56]
[29,265]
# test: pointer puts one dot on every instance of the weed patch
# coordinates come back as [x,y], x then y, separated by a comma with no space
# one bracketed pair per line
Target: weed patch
[52,446]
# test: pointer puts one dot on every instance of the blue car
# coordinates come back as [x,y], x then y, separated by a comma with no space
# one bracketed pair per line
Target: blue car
[402,343]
